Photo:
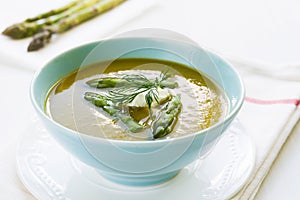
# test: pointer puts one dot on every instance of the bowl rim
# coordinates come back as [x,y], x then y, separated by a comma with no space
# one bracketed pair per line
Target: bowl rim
[71,132]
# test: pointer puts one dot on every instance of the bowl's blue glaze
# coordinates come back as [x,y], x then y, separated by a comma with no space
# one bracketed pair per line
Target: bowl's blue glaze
[138,162]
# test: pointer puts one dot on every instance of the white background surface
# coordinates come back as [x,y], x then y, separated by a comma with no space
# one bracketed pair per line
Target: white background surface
[261,31]
[265,31]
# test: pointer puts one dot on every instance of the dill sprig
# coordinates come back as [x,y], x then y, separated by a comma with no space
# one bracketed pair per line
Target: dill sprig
[125,88]
[137,84]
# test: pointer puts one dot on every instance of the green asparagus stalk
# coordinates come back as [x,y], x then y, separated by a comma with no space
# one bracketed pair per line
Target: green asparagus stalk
[166,120]
[32,26]
[71,21]
[114,111]
[22,30]
[40,39]
[96,99]
[53,12]
[110,82]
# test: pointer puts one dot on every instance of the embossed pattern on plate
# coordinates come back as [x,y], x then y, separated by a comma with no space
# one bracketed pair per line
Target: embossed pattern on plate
[49,172]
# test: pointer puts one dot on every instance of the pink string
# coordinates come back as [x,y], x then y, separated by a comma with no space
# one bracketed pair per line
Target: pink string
[296,102]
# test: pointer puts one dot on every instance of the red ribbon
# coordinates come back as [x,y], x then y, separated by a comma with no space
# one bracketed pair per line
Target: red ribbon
[296,102]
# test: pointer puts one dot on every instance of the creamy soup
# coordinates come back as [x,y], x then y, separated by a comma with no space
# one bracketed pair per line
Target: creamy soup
[136,99]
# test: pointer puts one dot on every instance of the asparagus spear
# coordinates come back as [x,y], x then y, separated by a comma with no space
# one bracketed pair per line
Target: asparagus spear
[53,12]
[71,21]
[167,118]
[35,24]
[103,102]
[109,82]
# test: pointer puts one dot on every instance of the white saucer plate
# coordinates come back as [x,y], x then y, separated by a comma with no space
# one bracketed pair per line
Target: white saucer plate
[49,172]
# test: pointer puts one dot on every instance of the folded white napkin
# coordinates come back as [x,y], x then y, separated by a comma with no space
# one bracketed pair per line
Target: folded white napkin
[270,112]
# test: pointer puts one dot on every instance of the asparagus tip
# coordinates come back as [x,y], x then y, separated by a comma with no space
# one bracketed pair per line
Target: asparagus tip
[15,31]
[39,40]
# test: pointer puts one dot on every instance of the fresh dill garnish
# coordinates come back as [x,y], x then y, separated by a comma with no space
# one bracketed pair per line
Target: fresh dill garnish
[137,84]
[125,88]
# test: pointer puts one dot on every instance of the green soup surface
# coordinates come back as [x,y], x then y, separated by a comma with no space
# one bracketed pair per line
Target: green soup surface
[203,102]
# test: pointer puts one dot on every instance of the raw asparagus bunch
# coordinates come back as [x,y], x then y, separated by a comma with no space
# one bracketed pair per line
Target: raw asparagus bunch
[33,25]
[114,111]
[56,21]
[167,118]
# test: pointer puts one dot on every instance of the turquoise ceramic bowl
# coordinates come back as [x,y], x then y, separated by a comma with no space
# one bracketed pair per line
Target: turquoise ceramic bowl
[138,162]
